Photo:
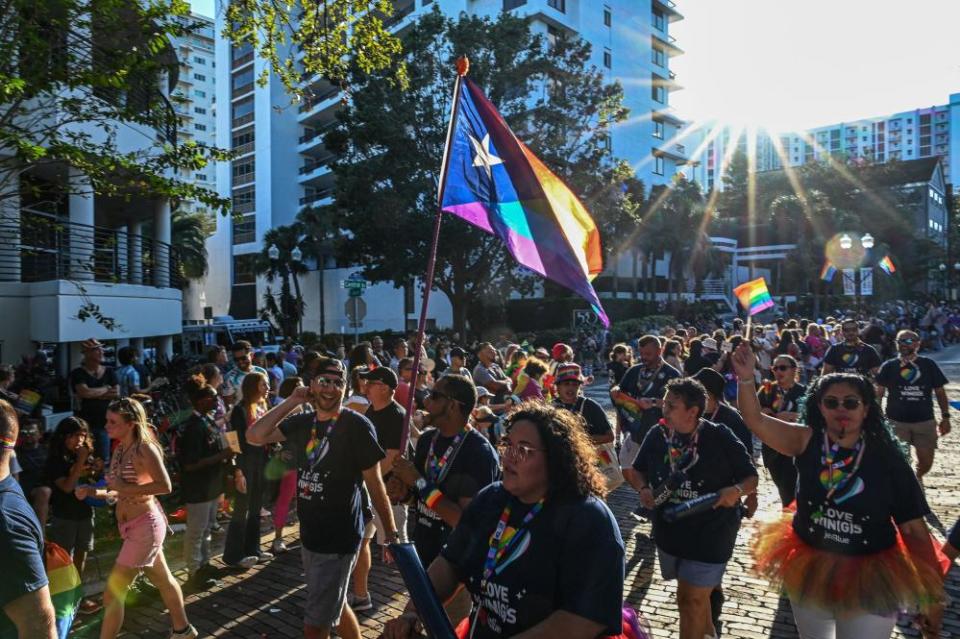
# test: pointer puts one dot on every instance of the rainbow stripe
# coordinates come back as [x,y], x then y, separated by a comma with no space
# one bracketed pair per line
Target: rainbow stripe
[754,296]
[493,181]
[828,271]
[887,265]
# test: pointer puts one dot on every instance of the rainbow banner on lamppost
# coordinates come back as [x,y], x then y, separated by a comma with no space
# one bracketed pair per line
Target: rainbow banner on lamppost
[754,296]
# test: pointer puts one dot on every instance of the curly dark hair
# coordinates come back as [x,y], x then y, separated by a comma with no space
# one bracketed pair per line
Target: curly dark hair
[875,427]
[571,457]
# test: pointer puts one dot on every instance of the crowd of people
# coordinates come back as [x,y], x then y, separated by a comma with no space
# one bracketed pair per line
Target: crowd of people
[500,475]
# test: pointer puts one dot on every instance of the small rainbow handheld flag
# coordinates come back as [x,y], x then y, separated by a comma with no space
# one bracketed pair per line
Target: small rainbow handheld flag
[828,271]
[887,265]
[754,296]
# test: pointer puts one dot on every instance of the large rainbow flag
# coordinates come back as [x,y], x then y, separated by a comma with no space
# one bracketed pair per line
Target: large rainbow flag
[493,181]
[754,296]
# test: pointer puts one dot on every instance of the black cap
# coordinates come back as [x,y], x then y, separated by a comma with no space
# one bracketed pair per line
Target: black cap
[380,374]
[712,381]
[331,366]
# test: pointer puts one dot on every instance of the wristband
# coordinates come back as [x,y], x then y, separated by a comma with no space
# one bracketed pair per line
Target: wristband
[432,499]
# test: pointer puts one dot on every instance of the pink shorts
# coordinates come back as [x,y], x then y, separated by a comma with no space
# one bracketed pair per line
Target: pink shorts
[142,539]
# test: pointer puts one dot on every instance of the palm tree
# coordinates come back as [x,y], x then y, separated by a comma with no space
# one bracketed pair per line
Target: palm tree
[282,259]
[189,233]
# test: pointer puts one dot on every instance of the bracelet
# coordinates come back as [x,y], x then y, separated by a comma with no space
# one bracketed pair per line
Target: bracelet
[433,498]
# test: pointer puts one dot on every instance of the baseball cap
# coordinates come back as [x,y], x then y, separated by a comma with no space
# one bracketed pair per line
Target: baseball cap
[711,380]
[381,374]
[568,373]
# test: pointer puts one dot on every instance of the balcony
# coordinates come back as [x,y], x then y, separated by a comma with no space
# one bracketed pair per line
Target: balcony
[50,248]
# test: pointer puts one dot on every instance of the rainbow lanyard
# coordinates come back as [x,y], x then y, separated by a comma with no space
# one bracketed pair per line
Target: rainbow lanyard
[314,449]
[833,476]
[435,466]
[500,547]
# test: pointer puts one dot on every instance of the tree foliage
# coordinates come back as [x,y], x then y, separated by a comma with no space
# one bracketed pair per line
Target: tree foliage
[389,143]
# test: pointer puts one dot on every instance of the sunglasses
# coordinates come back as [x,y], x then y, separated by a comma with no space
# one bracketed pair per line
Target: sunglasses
[517,453]
[783,367]
[906,341]
[848,403]
[324,382]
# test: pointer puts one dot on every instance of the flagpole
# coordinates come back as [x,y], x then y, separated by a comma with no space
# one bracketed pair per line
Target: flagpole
[463,66]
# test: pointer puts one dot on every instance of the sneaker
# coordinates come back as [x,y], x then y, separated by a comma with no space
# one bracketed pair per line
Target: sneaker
[264,556]
[188,633]
[278,547]
[359,604]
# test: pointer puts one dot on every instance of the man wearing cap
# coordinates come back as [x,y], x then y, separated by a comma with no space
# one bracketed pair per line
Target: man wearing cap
[336,452]
[569,381]
[644,384]
[453,462]
[95,386]
[487,373]
[852,355]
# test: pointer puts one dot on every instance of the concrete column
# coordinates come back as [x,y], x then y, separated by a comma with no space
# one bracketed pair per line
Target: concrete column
[165,346]
[123,255]
[80,251]
[10,227]
[135,252]
[161,246]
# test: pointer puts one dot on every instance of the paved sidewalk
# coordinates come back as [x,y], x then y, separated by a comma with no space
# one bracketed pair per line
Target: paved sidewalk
[267,600]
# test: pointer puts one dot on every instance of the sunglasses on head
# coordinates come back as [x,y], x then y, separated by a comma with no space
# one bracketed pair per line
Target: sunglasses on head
[848,403]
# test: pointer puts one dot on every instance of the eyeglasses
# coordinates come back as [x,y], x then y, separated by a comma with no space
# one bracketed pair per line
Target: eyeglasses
[848,403]
[906,341]
[783,367]
[517,453]
[324,382]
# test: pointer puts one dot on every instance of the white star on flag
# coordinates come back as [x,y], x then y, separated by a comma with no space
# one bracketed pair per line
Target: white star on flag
[483,156]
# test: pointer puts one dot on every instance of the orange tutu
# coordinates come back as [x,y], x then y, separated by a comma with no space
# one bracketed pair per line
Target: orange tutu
[882,583]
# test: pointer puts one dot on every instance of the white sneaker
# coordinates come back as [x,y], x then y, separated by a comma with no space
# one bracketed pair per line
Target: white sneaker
[189,633]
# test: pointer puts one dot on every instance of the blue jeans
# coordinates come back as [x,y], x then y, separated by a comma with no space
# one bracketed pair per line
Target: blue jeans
[243,533]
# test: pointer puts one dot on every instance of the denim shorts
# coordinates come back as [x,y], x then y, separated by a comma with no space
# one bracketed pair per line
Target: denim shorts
[695,573]
[328,576]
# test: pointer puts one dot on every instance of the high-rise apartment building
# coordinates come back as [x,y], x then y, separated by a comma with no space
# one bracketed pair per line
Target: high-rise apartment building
[908,135]
[283,166]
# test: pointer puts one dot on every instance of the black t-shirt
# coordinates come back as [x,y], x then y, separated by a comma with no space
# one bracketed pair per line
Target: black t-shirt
[388,423]
[776,399]
[723,461]
[64,505]
[592,413]
[94,410]
[730,417]
[471,468]
[638,382]
[571,558]
[21,546]
[910,387]
[862,515]
[861,358]
[329,495]
[200,439]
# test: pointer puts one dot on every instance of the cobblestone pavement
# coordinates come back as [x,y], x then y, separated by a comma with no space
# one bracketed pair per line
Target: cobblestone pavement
[267,600]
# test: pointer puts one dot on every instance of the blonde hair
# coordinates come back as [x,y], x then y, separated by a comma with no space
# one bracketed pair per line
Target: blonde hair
[133,412]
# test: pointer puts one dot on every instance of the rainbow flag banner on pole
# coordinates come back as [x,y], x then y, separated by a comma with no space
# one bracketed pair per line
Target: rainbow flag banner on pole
[828,271]
[754,296]
[887,265]
[493,181]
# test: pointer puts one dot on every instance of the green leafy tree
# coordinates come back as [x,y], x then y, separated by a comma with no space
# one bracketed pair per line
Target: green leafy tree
[390,142]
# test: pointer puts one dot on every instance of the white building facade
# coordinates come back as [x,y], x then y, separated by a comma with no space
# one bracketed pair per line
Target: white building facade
[283,166]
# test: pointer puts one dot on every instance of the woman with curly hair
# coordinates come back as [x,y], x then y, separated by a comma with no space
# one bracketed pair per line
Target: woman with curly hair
[539,552]
[857,550]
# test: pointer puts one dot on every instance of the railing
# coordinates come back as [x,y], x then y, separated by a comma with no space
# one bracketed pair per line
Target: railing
[41,247]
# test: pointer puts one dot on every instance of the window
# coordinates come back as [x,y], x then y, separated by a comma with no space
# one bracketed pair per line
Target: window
[658,165]
[659,21]
[199,60]
[659,56]
[607,58]
[199,93]
[559,5]
[243,269]
[607,17]
[200,110]
[200,77]
[658,129]
[200,127]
